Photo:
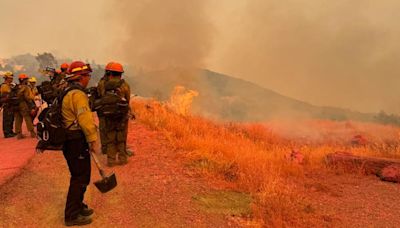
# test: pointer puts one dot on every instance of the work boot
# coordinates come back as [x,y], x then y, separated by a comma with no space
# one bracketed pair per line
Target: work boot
[86,211]
[79,221]
[33,134]
[9,135]
[20,136]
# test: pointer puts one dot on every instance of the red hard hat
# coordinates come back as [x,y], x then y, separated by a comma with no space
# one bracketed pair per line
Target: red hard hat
[64,66]
[23,76]
[76,69]
[114,66]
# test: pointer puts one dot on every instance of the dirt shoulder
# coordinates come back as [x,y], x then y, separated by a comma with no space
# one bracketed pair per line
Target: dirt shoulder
[154,190]
[15,154]
[352,200]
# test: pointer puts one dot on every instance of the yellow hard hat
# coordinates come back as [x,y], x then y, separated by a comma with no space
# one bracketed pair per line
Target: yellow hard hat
[8,74]
[32,79]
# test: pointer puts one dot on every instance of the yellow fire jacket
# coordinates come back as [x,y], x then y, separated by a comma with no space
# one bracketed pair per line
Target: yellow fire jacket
[26,97]
[75,107]
[34,90]
[5,88]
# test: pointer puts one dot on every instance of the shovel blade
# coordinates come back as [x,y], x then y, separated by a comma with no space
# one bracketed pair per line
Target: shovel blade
[107,183]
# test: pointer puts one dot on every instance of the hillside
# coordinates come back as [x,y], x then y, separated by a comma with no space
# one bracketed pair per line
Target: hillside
[229,98]
[220,96]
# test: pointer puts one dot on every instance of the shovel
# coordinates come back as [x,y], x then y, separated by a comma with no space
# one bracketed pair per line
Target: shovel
[107,183]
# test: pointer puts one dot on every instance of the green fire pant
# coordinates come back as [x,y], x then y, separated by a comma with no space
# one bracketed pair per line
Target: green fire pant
[115,139]
[19,117]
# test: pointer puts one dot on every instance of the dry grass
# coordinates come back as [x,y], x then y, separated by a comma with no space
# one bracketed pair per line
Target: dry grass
[254,156]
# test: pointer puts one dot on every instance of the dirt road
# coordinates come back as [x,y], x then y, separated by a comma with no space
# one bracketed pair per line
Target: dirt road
[153,191]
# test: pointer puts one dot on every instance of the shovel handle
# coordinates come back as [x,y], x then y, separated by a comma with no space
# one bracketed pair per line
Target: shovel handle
[96,160]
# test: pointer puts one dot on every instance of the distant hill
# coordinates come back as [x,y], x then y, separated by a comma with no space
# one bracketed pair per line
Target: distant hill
[220,96]
[229,98]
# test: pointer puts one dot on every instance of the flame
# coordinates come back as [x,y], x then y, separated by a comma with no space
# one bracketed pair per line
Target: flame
[181,100]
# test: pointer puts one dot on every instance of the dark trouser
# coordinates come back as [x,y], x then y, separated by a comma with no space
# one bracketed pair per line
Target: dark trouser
[8,121]
[76,152]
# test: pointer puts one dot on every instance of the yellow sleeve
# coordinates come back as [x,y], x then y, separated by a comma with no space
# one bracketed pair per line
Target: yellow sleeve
[84,116]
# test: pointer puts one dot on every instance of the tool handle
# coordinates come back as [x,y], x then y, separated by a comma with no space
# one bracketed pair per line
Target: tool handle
[96,160]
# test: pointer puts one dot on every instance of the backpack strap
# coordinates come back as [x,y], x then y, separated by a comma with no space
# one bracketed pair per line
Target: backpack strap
[72,124]
[68,89]
[63,94]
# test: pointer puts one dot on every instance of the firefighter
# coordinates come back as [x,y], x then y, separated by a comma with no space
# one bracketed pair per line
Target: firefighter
[32,84]
[114,129]
[81,141]
[8,112]
[26,105]
[64,69]
[46,89]
[58,80]
[100,92]
[59,76]
[51,73]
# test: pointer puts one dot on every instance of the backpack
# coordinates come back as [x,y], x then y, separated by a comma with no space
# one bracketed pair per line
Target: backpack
[50,129]
[47,92]
[13,100]
[112,105]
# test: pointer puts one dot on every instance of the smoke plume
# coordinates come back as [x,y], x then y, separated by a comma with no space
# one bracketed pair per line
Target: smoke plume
[339,53]
[157,34]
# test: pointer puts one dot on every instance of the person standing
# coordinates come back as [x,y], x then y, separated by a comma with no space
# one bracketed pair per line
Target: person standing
[64,70]
[32,84]
[8,112]
[81,140]
[26,105]
[113,117]
[101,92]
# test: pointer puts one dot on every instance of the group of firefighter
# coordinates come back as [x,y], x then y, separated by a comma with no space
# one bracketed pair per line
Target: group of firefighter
[18,103]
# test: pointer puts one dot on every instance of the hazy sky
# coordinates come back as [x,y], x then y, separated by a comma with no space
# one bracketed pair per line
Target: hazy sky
[338,53]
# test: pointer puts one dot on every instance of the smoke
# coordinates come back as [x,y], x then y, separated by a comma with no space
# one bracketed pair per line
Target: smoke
[338,53]
[66,28]
[158,34]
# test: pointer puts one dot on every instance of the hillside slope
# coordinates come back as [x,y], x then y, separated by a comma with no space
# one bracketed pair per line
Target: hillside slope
[229,98]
